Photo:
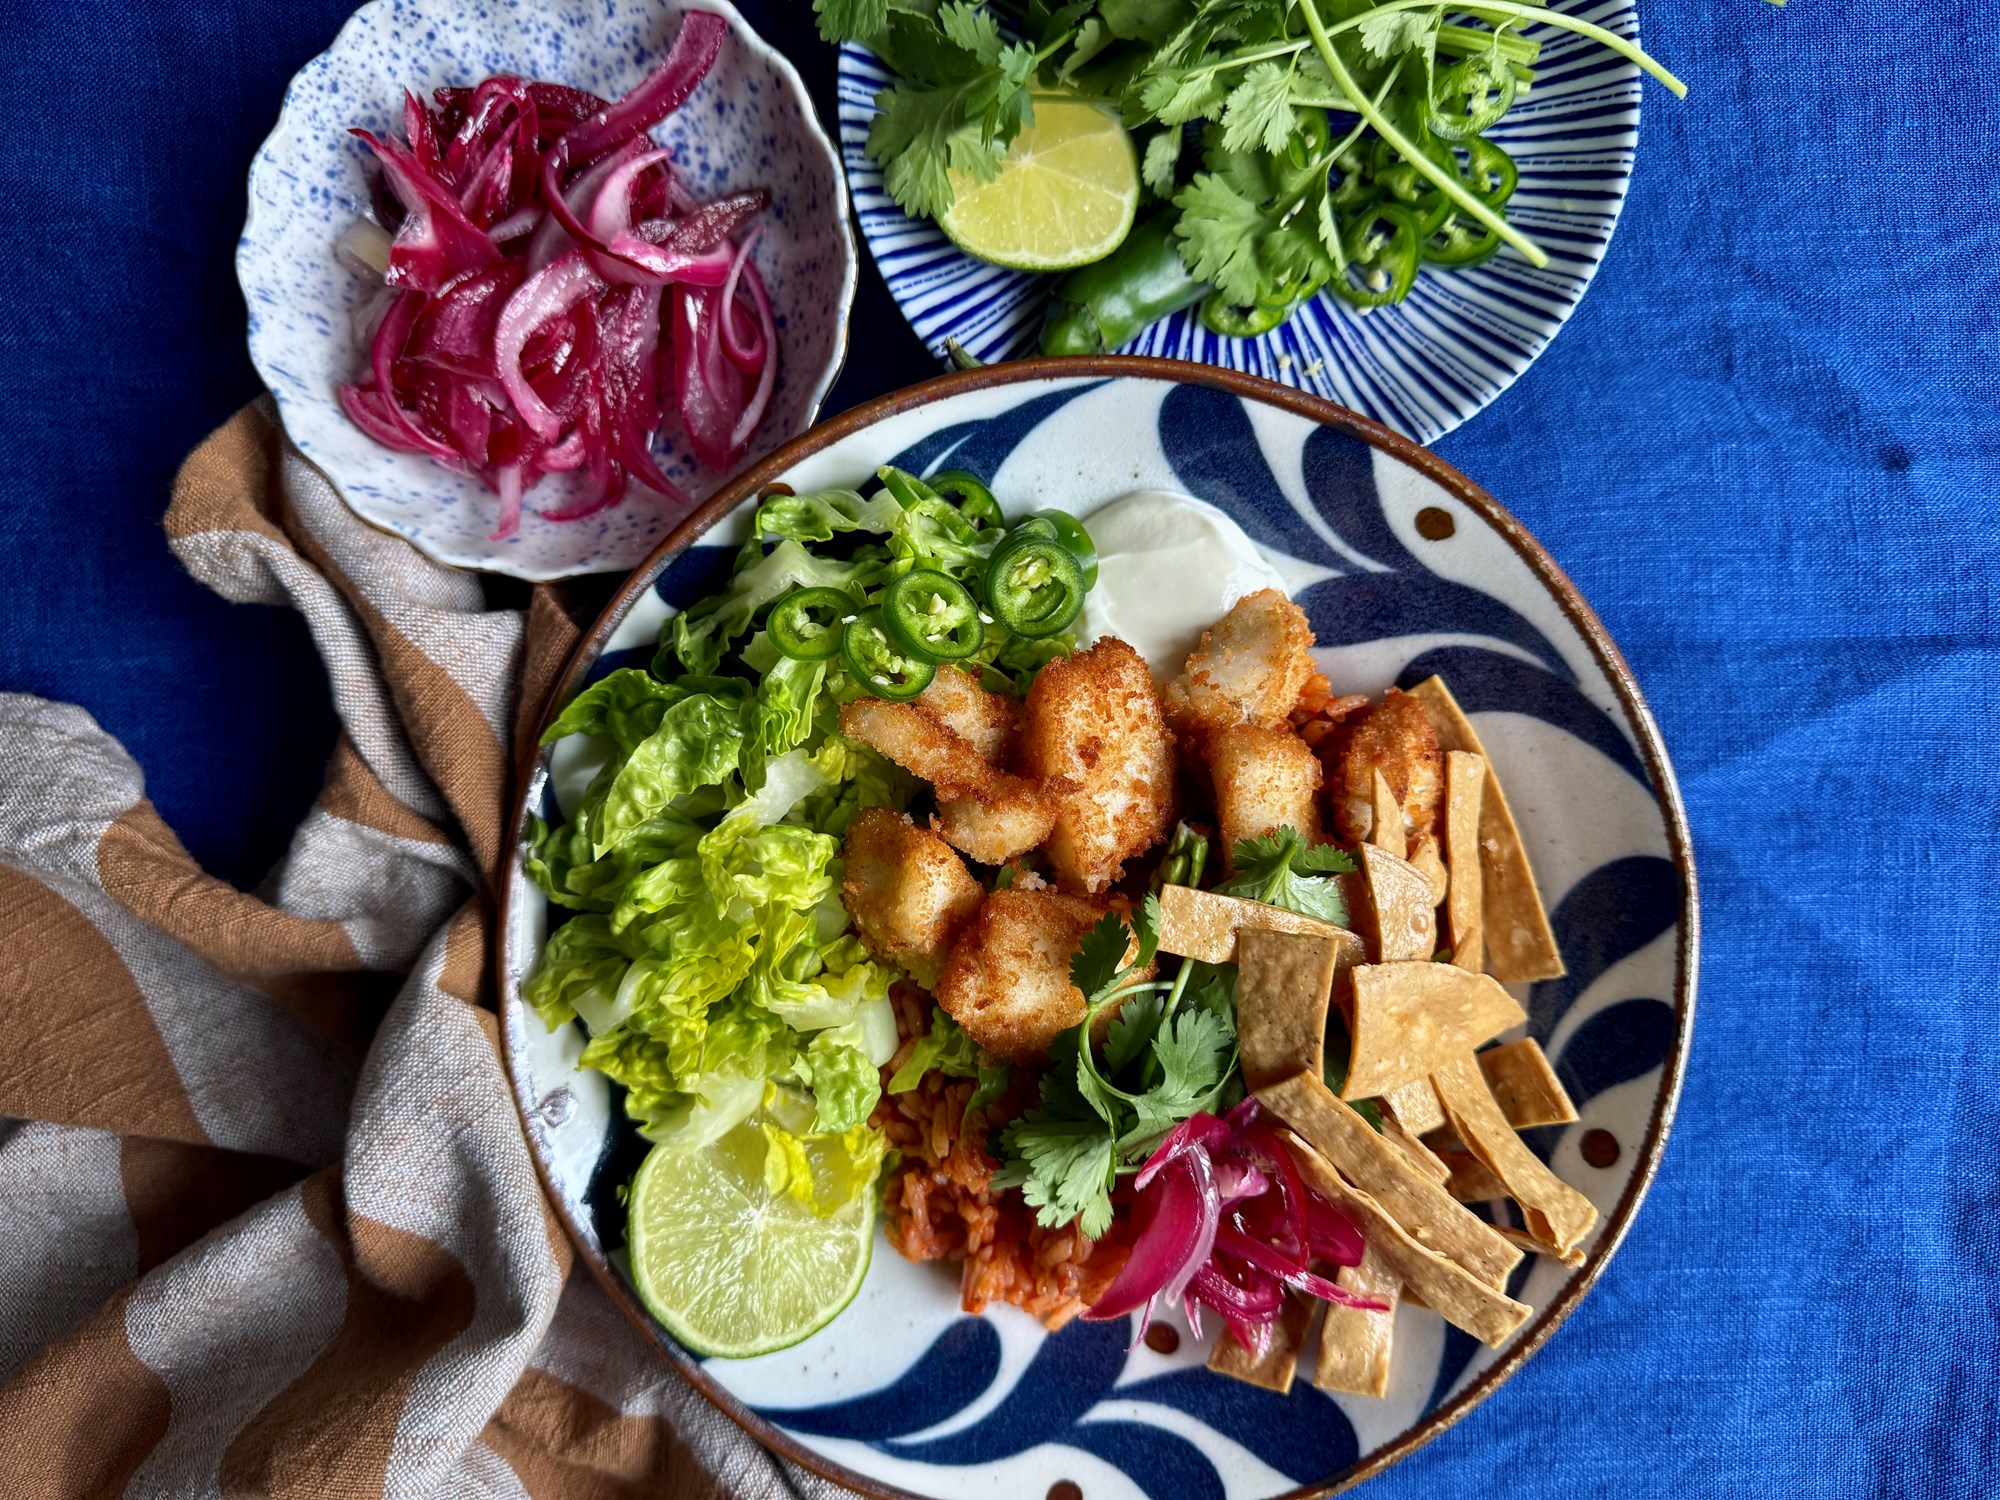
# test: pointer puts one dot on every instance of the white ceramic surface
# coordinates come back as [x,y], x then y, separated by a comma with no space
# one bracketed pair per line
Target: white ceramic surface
[905,1392]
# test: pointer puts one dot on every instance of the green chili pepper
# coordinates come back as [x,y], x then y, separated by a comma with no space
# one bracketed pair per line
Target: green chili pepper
[1226,319]
[805,624]
[1070,533]
[1456,243]
[1109,302]
[1404,184]
[1487,171]
[1357,180]
[975,501]
[932,614]
[1383,244]
[1470,97]
[877,664]
[1034,585]
[1038,524]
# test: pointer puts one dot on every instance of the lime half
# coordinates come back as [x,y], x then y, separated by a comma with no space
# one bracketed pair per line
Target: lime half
[1067,190]
[731,1268]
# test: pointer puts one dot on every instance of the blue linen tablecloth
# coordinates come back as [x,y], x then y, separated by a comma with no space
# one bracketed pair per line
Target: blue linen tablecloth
[1766,448]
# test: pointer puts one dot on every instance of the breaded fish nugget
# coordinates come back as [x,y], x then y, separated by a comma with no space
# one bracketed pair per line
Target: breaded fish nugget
[1250,667]
[1394,737]
[1093,735]
[1265,779]
[908,893]
[996,829]
[983,720]
[918,741]
[1007,979]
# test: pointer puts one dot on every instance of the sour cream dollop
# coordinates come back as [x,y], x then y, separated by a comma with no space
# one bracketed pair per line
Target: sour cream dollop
[1168,567]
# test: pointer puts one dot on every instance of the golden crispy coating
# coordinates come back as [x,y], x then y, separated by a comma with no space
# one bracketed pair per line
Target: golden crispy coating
[1265,779]
[1007,979]
[1250,667]
[1394,737]
[908,893]
[915,739]
[983,720]
[997,829]
[1092,733]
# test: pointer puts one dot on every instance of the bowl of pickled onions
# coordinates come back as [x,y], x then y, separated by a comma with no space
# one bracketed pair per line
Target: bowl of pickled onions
[529,279]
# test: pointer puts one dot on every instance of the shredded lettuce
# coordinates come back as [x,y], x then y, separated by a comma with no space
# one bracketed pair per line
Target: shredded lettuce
[712,962]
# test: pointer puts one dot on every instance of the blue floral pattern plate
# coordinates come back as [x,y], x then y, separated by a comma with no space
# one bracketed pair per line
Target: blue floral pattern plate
[1421,367]
[1406,569]
[749,124]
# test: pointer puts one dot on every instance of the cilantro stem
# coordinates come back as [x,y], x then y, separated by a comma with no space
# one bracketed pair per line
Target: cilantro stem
[1466,41]
[1483,10]
[1446,182]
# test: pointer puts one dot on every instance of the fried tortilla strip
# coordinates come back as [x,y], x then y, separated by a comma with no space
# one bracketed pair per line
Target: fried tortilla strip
[1411,1018]
[1283,982]
[1557,1214]
[1203,925]
[1429,1215]
[1425,855]
[1355,1344]
[1525,1086]
[1570,1258]
[1464,780]
[1393,1129]
[1415,1106]
[1386,831]
[1469,1182]
[1400,897]
[1273,1370]
[1519,943]
[1459,1297]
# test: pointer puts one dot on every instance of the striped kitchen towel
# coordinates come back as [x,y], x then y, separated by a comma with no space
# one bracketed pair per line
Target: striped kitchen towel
[268,1225]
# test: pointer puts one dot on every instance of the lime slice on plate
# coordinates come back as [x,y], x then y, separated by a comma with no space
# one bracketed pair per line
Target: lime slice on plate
[732,1268]
[1067,190]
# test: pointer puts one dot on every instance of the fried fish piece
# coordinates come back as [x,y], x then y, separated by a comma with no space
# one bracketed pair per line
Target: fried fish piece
[908,893]
[1250,668]
[1394,737]
[983,720]
[1007,978]
[996,829]
[1265,779]
[1093,735]
[922,744]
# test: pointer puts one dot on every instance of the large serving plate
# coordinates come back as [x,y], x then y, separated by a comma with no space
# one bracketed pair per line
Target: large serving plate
[750,124]
[1406,568]
[1422,367]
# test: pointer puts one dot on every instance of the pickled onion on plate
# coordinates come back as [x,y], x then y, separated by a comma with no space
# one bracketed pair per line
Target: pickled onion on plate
[551,291]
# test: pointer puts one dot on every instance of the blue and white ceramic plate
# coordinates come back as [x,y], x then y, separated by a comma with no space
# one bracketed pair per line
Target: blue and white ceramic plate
[1406,569]
[1420,368]
[749,124]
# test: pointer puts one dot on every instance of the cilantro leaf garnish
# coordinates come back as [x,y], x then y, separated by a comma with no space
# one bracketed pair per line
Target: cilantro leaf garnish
[1162,1059]
[1282,869]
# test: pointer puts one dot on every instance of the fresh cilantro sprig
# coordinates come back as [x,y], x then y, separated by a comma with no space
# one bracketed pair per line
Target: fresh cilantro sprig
[1104,1110]
[1282,869]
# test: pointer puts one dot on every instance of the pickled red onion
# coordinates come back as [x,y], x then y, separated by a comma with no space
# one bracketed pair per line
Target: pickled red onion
[554,289]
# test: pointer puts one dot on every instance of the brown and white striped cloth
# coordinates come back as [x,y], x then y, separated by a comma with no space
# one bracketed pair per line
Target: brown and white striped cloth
[268,1224]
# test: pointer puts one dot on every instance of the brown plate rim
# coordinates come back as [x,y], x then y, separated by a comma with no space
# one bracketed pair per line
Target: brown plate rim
[1652,751]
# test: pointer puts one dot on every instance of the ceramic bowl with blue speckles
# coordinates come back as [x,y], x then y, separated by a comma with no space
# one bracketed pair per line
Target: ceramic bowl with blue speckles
[749,124]
[1405,568]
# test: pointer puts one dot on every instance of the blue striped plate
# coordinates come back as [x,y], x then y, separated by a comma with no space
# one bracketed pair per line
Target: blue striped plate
[1423,367]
